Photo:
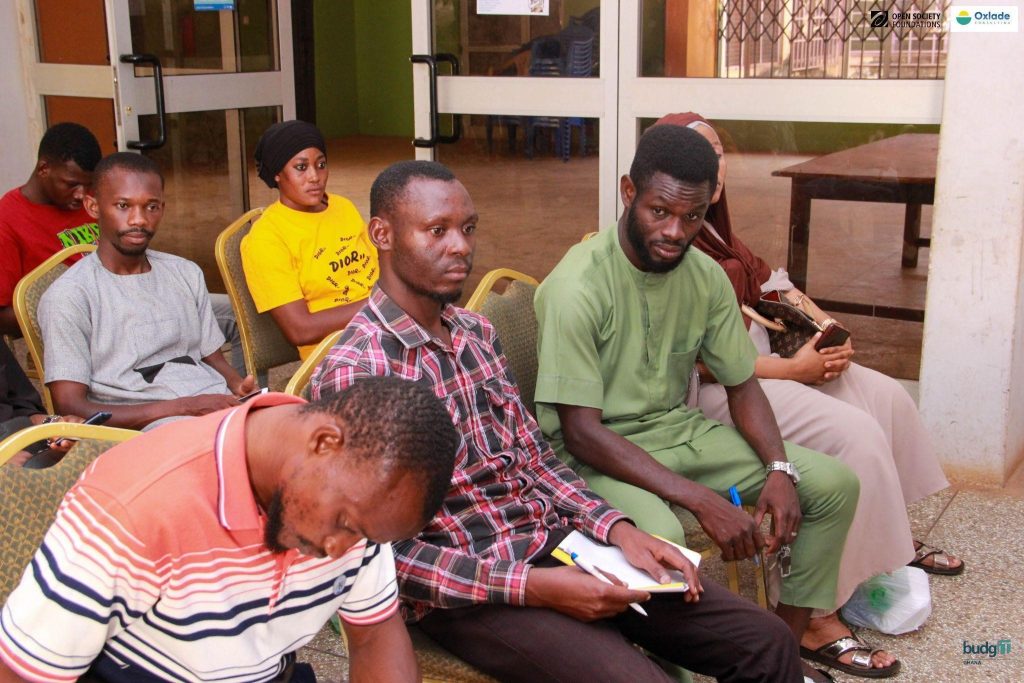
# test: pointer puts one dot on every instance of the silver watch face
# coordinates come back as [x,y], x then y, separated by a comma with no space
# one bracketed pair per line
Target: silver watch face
[787,467]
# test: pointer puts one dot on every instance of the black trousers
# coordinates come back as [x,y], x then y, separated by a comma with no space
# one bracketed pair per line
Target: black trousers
[723,635]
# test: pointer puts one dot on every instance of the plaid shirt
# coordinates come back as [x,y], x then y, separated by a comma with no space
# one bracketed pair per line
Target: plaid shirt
[509,489]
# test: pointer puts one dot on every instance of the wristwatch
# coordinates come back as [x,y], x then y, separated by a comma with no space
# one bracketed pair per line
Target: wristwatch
[781,466]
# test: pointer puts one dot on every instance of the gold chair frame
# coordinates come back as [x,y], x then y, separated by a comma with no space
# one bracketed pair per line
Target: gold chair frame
[492,278]
[26,314]
[300,380]
[60,430]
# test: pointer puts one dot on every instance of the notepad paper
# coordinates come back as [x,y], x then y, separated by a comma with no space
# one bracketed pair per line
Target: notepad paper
[610,559]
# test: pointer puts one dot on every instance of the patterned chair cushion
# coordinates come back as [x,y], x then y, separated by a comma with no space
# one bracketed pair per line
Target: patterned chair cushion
[515,321]
[28,504]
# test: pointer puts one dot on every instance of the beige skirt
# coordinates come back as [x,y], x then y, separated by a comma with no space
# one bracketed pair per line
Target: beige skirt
[870,423]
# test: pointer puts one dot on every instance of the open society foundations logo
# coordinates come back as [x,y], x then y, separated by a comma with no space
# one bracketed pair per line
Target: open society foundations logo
[984,19]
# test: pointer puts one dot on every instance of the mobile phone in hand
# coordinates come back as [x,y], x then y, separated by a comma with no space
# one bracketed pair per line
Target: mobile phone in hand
[98,418]
[833,335]
[49,457]
[94,419]
[243,399]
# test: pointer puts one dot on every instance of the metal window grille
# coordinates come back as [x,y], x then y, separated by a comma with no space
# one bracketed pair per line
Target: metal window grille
[832,39]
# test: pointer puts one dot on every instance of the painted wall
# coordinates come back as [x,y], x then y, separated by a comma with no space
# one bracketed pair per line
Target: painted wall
[16,133]
[363,75]
[383,46]
[972,375]
[337,94]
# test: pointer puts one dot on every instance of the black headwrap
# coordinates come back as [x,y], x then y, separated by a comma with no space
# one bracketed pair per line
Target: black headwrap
[280,143]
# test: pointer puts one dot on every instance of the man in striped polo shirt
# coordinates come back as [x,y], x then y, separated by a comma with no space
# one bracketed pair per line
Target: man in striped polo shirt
[213,548]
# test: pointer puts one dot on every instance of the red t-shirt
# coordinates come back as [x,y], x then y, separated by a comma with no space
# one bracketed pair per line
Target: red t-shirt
[31,233]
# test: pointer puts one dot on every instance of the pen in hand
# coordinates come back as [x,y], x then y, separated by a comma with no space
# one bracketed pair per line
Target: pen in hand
[593,571]
[734,496]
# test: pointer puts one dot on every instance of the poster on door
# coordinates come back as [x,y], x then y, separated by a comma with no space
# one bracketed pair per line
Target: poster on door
[538,7]
[213,5]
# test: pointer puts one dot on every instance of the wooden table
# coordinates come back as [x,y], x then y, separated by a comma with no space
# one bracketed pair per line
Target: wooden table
[898,170]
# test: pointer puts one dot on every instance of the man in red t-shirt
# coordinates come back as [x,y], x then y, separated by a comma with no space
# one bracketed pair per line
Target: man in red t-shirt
[45,214]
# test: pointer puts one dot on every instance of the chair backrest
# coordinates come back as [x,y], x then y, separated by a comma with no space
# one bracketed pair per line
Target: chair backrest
[263,343]
[27,294]
[29,498]
[515,321]
[298,385]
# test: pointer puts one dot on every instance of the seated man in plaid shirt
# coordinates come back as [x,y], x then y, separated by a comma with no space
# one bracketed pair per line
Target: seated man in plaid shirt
[479,579]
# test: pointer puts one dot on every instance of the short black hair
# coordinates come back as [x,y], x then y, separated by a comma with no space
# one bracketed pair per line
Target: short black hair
[679,152]
[401,426]
[70,142]
[129,161]
[390,185]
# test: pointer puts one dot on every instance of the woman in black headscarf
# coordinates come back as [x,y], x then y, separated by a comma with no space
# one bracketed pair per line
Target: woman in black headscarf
[308,259]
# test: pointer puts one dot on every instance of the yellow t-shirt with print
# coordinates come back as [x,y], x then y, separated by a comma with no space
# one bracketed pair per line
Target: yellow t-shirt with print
[324,258]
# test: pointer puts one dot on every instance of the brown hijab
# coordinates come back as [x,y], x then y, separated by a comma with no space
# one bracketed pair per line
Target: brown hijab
[746,270]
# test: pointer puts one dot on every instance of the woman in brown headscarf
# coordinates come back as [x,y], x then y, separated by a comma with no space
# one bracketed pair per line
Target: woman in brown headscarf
[825,402]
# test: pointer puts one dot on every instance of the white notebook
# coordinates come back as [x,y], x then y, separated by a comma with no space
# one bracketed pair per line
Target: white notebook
[610,559]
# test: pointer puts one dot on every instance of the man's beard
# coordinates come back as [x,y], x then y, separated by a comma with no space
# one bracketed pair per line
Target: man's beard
[133,251]
[636,239]
[445,298]
[275,523]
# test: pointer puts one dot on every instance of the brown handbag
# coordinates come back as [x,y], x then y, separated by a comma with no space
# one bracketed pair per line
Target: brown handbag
[789,327]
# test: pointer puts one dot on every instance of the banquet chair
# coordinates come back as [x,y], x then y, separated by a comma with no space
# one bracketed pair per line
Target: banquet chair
[29,498]
[515,322]
[263,344]
[27,294]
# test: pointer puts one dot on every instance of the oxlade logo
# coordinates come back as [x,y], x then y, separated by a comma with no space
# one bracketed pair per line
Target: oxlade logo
[984,19]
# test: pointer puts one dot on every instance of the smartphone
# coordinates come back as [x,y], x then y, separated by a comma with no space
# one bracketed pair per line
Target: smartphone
[254,394]
[98,418]
[833,335]
[49,457]
[94,419]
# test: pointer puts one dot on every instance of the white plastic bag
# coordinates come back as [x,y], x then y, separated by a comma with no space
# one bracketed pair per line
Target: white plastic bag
[891,603]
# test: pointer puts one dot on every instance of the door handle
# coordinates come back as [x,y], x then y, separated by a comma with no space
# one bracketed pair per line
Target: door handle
[435,138]
[456,135]
[158,86]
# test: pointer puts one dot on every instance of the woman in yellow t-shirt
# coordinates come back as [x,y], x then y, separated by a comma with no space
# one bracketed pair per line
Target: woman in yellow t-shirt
[308,259]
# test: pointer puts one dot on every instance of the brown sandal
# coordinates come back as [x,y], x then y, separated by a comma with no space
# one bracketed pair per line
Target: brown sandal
[940,561]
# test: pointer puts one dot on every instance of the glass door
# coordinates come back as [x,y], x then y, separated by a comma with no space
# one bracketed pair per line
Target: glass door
[517,104]
[191,89]
[828,118]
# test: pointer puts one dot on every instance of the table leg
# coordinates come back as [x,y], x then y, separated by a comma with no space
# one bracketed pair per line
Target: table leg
[911,235]
[799,236]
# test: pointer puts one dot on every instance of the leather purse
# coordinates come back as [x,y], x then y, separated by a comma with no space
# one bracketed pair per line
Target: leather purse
[789,327]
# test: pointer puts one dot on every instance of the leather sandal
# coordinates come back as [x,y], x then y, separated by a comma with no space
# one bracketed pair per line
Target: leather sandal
[940,561]
[860,664]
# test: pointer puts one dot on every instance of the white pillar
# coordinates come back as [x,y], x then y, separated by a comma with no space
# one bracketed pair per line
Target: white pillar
[972,375]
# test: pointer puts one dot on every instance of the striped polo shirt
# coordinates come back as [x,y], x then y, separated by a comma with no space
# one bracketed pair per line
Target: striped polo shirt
[155,569]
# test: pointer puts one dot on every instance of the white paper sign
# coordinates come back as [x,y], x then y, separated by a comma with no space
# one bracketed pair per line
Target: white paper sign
[538,7]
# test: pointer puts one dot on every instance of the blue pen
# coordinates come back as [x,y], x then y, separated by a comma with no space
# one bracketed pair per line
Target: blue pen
[734,496]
